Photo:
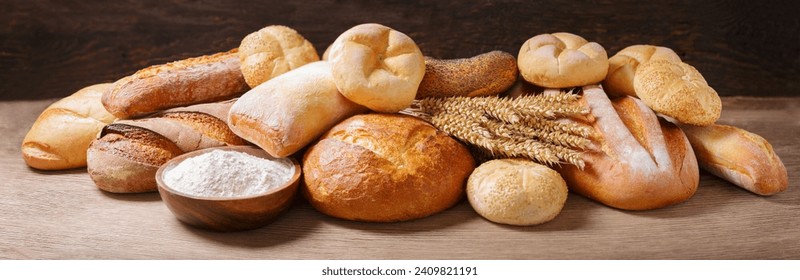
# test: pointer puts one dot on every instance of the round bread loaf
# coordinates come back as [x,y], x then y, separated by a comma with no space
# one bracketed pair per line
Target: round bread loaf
[562,60]
[516,192]
[622,67]
[677,90]
[377,67]
[385,168]
[272,51]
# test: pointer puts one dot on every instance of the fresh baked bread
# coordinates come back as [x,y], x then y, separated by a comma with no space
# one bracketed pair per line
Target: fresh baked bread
[485,74]
[562,60]
[738,156]
[62,133]
[385,168]
[190,81]
[637,161]
[677,90]
[516,192]
[127,153]
[622,67]
[377,67]
[287,113]
[272,51]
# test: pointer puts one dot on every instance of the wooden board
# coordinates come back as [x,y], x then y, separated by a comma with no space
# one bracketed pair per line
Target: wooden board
[61,215]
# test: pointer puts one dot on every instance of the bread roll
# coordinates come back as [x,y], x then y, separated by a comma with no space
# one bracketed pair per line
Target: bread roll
[738,156]
[562,60]
[485,74]
[622,67]
[190,81]
[638,161]
[62,133]
[385,168]
[516,192]
[287,113]
[127,153]
[377,67]
[677,90]
[272,51]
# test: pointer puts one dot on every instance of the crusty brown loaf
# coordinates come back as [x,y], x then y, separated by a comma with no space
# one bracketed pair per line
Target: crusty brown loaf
[385,168]
[637,161]
[485,74]
[622,67]
[180,83]
[562,60]
[127,153]
[62,133]
[287,113]
[271,51]
[677,90]
[738,156]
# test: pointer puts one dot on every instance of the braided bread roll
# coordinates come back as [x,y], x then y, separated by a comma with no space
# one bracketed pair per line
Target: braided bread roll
[562,60]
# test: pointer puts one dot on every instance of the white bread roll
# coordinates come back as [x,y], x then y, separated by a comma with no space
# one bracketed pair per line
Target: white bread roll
[622,67]
[286,113]
[377,67]
[62,133]
[516,192]
[637,161]
[677,90]
[271,51]
[385,168]
[562,60]
[738,156]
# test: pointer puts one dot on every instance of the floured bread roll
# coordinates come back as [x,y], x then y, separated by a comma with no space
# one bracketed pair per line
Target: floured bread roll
[622,67]
[561,60]
[677,90]
[272,51]
[377,67]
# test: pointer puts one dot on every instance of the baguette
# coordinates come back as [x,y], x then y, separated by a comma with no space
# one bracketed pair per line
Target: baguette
[743,158]
[127,153]
[62,133]
[191,81]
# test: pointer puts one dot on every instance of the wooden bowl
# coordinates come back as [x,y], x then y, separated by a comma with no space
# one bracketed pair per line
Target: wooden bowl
[228,213]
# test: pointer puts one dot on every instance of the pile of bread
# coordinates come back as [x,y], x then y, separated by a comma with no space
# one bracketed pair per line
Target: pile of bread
[653,117]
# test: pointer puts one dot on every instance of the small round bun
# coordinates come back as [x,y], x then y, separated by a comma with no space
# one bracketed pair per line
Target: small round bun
[516,192]
[562,60]
[677,90]
[622,66]
[272,51]
[385,168]
[377,67]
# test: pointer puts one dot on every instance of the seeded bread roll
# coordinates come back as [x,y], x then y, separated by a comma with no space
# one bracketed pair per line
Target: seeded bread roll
[485,74]
[272,51]
[385,168]
[622,67]
[62,133]
[562,60]
[516,192]
[377,67]
[677,90]
[738,156]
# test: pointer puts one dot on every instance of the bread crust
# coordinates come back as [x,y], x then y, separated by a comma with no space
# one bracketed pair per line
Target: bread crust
[190,81]
[271,51]
[485,74]
[385,168]
[622,67]
[562,60]
[677,90]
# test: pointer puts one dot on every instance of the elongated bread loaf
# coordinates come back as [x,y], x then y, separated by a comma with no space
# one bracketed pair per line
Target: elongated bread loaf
[190,81]
[738,156]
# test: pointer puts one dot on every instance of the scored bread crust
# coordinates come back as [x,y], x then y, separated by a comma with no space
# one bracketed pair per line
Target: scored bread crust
[385,168]
[637,161]
[562,60]
[622,67]
[271,51]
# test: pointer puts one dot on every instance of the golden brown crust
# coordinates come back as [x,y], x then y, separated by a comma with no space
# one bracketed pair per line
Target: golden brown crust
[485,74]
[677,90]
[738,156]
[271,51]
[639,162]
[562,60]
[622,67]
[385,168]
[185,82]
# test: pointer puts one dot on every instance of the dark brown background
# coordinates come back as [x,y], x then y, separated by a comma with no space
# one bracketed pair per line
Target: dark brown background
[52,48]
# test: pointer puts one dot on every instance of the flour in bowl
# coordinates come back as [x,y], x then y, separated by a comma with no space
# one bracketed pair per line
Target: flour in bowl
[228,174]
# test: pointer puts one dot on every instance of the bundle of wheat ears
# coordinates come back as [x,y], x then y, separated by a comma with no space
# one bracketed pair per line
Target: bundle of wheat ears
[527,126]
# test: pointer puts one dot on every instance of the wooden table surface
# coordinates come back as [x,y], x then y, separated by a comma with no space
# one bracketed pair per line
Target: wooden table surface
[62,215]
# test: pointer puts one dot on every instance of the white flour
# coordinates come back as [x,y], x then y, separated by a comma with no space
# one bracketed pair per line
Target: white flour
[228,174]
